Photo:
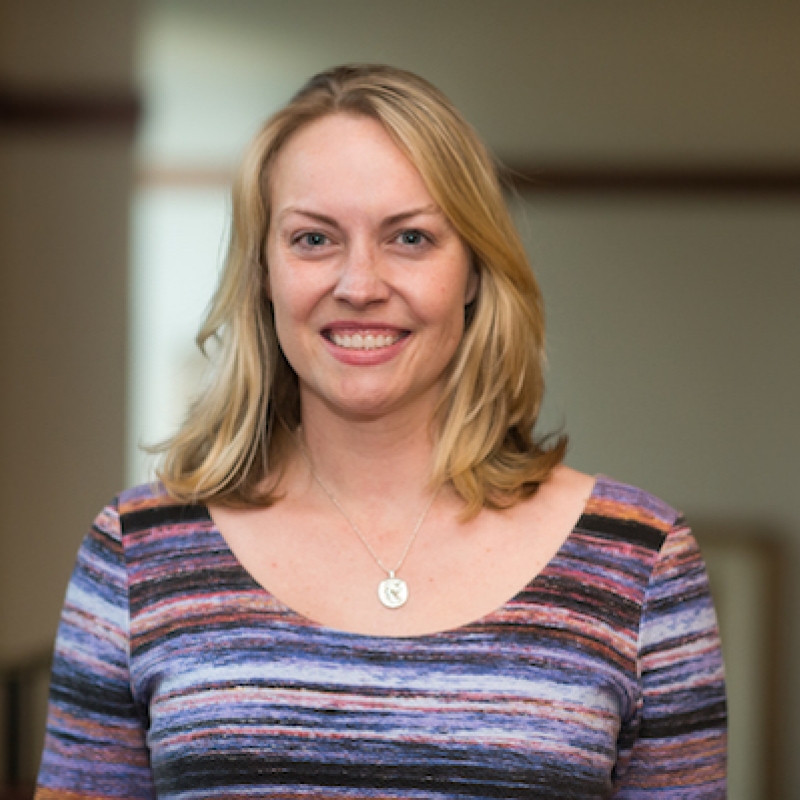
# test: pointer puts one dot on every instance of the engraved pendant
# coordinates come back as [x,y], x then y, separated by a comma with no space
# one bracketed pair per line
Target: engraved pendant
[392,591]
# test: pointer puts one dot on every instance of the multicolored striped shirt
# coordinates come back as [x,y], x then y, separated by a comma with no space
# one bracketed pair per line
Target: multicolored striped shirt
[177,675]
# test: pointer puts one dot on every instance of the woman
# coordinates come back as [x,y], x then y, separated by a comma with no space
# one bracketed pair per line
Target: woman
[361,576]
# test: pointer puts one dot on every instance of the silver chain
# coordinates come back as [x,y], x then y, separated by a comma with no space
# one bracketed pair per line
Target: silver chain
[390,572]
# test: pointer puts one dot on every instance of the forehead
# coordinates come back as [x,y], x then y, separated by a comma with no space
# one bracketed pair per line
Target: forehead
[345,160]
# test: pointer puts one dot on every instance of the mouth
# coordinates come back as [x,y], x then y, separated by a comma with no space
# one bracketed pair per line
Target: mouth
[364,339]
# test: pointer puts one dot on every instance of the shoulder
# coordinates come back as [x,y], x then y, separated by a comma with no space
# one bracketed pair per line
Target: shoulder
[641,528]
[158,536]
[149,506]
[623,511]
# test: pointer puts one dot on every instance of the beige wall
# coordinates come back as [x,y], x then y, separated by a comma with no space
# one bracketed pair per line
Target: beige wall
[674,341]
[686,81]
[674,347]
[64,255]
[64,193]
[674,335]
[64,248]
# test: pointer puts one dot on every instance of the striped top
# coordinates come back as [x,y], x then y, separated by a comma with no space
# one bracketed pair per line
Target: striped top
[176,675]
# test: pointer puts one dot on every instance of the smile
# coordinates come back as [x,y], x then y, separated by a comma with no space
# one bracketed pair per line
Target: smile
[364,341]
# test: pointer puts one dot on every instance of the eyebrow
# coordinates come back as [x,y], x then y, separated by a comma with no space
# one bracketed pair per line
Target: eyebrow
[311,214]
[414,212]
[393,220]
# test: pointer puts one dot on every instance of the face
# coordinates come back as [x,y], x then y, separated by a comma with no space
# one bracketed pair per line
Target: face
[367,278]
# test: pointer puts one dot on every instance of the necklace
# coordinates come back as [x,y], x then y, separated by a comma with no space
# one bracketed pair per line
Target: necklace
[392,591]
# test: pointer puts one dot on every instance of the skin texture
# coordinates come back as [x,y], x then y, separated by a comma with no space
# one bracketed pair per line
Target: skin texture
[357,247]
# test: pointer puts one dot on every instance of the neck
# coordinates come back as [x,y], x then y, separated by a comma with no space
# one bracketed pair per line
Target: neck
[371,463]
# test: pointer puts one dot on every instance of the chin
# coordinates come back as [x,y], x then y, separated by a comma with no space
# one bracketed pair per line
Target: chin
[368,400]
[365,409]
[368,406]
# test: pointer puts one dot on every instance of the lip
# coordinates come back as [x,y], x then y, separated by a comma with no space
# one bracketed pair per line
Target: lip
[364,357]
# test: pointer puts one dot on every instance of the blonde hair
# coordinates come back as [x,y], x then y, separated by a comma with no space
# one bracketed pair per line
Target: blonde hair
[234,444]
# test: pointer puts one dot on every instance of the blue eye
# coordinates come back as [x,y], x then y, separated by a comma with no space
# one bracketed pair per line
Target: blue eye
[412,237]
[314,239]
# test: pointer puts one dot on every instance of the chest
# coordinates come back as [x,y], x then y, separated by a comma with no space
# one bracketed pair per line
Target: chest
[450,572]
[238,688]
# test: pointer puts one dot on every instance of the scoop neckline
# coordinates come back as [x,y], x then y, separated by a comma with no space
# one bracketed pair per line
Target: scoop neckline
[301,621]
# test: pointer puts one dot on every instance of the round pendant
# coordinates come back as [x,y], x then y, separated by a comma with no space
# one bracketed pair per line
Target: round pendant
[393,592]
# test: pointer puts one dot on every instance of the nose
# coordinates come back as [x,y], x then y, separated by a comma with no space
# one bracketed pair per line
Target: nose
[360,281]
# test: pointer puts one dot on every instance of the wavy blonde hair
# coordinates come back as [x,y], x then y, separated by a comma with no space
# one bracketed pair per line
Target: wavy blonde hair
[234,444]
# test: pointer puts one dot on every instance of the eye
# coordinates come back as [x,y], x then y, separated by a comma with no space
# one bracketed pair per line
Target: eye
[412,238]
[312,239]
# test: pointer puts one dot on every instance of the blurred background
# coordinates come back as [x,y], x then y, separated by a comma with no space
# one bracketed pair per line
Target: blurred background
[655,152]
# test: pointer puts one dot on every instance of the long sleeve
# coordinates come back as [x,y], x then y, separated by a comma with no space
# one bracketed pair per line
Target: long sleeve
[676,746]
[95,742]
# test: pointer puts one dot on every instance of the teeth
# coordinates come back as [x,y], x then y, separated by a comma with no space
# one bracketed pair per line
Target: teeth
[367,341]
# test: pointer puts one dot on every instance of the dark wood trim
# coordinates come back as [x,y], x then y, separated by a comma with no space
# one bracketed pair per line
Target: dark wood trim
[17,793]
[566,180]
[13,726]
[653,179]
[776,691]
[54,110]
[766,547]
[16,679]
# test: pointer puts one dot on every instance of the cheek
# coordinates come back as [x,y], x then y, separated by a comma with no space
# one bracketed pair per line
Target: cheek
[280,297]
[451,296]
[268,284]
[285,292]
[289,334]
[445,315]
[268,255]
[293,306]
